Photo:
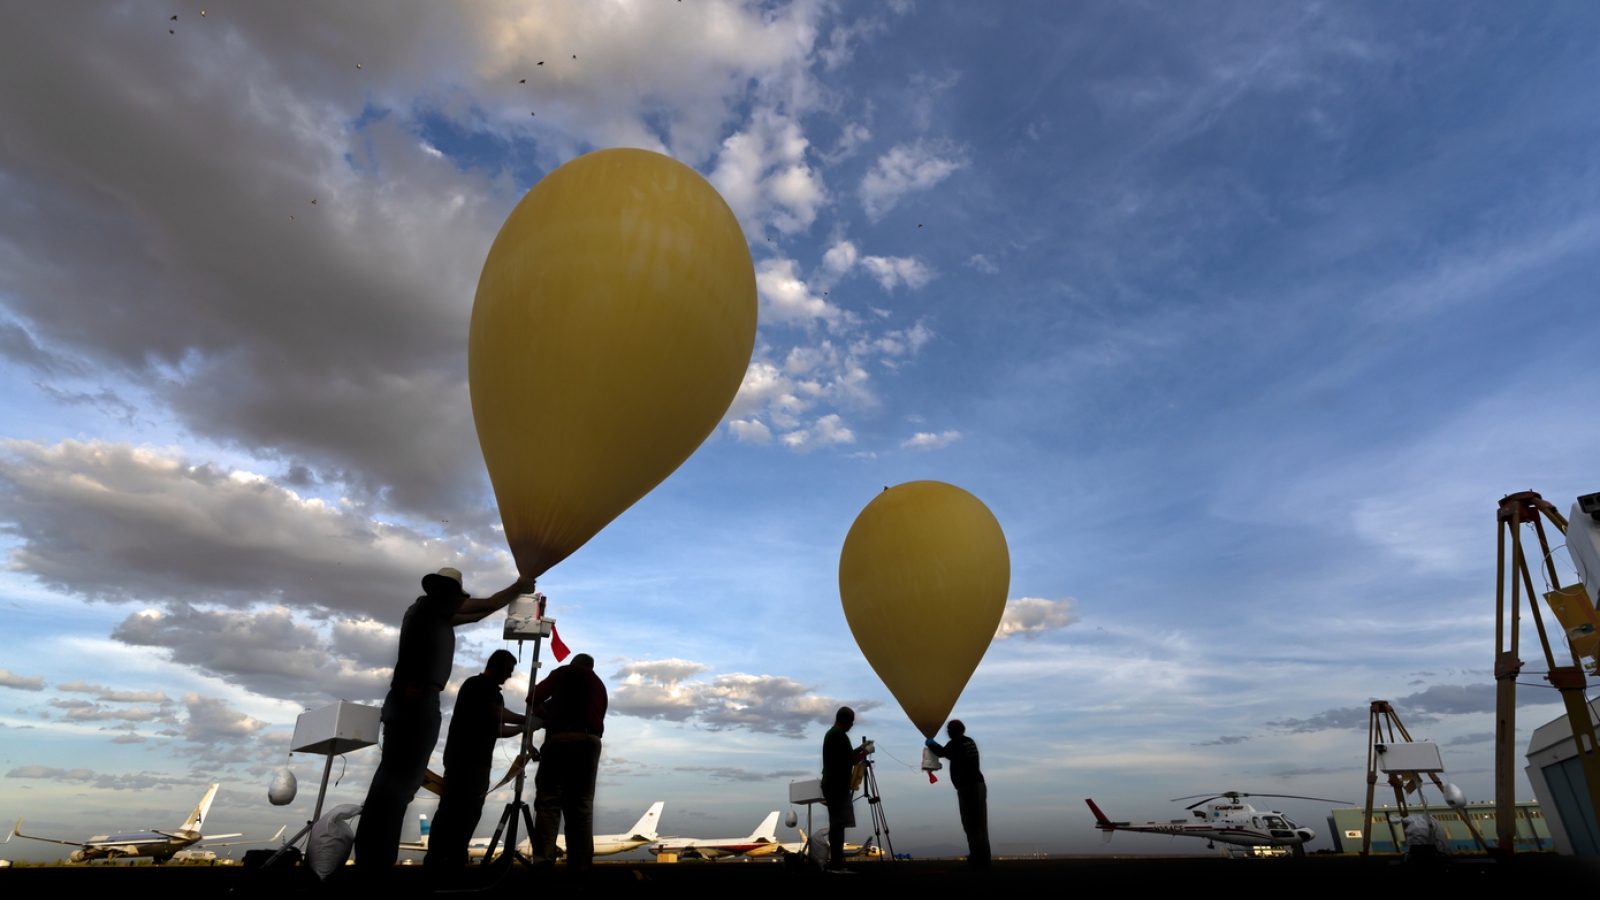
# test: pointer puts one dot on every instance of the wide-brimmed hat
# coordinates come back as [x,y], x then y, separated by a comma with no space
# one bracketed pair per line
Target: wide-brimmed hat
[435,581]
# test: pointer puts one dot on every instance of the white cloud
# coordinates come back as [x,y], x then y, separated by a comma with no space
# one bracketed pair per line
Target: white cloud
[771,704]
[1033,616]
[840,258]
[109,695]
[904,169]
[787,299]
[750,431]
[20,682]
[982,264]
[111,521]
[892,271]
[824,432]
[762,173]
[269,652]
[927,440]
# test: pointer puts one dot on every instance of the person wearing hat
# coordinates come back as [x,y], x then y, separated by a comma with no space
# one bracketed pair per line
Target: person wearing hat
[479,720]
[411,709]
[972,794]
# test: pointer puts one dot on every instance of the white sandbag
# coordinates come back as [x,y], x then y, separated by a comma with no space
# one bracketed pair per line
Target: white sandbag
[331,840]
[283,787]
[817,847]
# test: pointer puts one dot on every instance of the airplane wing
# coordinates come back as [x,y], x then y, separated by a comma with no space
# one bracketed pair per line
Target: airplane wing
[17,832]
[269,840]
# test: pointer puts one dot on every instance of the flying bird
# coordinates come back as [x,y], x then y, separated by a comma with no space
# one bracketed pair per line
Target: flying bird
[533,114]
[170,31]
[313,201]
[174,18]
[541,62]
[919,226]
[525,81]
[291,218]
[358,65]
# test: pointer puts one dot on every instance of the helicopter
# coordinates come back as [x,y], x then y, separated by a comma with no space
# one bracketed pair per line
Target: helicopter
[1228,822]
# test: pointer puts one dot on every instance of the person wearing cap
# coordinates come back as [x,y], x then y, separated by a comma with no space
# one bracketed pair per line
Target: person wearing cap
[411,709]
[480,719]
[572,701]
[972,795]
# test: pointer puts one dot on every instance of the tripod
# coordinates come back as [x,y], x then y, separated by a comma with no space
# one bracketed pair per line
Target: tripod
[517,809]
[880,822]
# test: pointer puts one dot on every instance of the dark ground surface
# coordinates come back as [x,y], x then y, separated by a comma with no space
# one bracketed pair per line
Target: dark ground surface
[1111,874]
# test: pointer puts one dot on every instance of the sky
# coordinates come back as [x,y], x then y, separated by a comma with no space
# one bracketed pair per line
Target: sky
[1240,319]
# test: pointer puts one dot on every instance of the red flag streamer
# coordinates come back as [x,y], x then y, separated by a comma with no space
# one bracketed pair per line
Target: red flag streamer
[932,778]
[556,646]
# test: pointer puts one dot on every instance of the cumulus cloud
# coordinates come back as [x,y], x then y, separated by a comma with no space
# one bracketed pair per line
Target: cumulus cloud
[824,432]
[107,695]
[1422,708]
[160,274]
[904,169]
[1476,737]
[211,719]
[1033,616]
[733,773]
[51,773]
[115,522]
[770,704]
[1226,740]
[83,711]
[927,440]
[21,682]
[269,651]
[750,432]
[893,271]
[762,172]
[787,299]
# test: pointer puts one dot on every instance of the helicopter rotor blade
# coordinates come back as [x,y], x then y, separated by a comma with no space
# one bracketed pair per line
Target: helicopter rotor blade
[1207,796]
[1208,799]
[1298,797]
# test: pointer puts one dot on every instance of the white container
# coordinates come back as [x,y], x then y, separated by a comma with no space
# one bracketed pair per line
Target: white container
[1411,756]
[805,791]
[339,728]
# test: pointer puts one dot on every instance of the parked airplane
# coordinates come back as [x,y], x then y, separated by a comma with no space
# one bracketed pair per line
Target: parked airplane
[850,850]
[716,848]
[642,832]
[158,845]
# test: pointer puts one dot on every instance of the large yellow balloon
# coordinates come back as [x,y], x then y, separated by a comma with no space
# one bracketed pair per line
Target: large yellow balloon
[613,323]
[923,576]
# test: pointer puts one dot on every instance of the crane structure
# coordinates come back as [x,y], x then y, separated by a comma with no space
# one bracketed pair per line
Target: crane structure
[1383,724]
[1516,513]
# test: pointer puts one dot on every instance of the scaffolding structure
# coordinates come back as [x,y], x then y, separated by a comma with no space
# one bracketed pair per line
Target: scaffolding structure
[1516,511]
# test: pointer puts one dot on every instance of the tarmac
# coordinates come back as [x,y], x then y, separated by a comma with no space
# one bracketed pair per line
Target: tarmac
[1310,875]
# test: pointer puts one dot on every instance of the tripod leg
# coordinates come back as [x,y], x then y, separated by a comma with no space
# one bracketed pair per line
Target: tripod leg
[488,854]
[527,821]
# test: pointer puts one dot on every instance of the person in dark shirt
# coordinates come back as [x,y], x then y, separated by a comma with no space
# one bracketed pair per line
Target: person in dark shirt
[838,765]
[411,710]
[572,701]
[479,720]
[972,795]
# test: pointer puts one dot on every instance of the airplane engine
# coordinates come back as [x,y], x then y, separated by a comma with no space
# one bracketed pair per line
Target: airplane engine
[77,856]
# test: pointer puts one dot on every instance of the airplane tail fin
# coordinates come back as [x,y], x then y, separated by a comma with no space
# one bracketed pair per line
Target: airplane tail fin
[646,828]
[197,819]
[768,829]
[423,825]
[1099,817]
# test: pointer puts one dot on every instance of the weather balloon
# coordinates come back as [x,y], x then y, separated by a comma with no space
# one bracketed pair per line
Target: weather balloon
[923,577]
[613,324]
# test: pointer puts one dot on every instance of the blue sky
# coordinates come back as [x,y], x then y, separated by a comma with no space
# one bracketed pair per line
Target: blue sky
[1239,319]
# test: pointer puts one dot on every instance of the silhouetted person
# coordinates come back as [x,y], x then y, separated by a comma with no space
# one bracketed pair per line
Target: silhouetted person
[411,710]
[972,795]
[479,720]
[838,765]
[572,702]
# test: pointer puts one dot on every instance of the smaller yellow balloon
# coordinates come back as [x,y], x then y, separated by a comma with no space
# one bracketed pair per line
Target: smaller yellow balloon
[923,577]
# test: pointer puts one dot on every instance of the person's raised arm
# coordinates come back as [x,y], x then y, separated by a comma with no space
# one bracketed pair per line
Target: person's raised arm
[476,608]
[507,717]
